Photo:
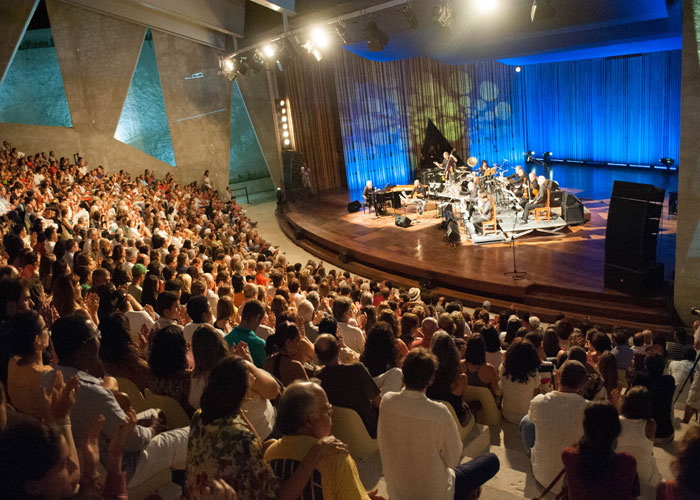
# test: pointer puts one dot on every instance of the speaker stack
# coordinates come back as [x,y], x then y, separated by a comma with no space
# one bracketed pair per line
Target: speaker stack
[630,239]
[571,209]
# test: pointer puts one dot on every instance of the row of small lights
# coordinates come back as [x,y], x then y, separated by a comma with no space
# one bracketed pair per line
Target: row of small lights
[284,124]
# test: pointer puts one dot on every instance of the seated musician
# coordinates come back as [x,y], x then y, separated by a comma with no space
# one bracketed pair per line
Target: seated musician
[484,169]
[517,180]
[417,196]
[485,211]
[368,195]
[530,189]
[540,200]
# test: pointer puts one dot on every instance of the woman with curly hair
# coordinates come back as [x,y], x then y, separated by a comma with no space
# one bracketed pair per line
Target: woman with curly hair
[520,381]
[449,384]
[379,357]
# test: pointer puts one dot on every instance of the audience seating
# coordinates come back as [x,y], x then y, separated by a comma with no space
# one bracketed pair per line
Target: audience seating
[488,414]
[175,416]
[349,428]
[464,430]
[138,402]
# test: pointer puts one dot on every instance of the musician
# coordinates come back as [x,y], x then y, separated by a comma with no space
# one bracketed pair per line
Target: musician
[540,200]
[517,180]
[417,196]
[484,168]
[448,165]
[485,211]
[368,195]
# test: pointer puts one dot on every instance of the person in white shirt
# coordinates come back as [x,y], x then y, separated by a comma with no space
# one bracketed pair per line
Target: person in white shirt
[354,337]
[419,443]
[554,421]
[692,404]
[199,311]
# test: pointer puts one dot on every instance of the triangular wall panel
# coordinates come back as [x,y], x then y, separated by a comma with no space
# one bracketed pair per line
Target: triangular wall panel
[143,123]
[246,159]
[32,91]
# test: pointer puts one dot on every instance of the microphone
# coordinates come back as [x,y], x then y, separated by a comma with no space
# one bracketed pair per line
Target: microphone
[695,311]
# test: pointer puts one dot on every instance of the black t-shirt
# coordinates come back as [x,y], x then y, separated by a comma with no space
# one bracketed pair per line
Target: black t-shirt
[351,386]
[367,192]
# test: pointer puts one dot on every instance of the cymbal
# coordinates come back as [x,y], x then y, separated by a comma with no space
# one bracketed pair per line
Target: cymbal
[472,161]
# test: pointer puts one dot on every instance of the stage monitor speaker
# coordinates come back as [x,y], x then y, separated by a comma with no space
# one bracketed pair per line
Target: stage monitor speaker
[344,257]
[571,209]
[402,221]
[354,206]
[636,282]
[633,225]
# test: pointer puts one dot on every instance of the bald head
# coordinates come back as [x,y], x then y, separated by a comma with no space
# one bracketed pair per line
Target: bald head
[326,348]
[429,326]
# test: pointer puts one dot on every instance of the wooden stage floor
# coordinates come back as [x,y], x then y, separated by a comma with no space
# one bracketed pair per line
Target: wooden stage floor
[564,273]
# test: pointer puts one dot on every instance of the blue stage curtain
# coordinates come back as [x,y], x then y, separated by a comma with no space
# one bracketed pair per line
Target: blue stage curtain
[623,110]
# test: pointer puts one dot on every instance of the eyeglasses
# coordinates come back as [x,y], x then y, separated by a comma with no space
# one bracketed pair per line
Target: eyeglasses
[327,409]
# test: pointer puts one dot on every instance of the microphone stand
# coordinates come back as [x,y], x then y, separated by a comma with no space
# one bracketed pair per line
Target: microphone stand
[515,274]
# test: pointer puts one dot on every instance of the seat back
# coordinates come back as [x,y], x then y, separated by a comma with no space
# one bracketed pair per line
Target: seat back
[350,429]
[464,430]
[138,402]
[491,225]
[488,414]
[174,414]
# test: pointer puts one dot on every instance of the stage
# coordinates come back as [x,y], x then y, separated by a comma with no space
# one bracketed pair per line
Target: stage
[564,269]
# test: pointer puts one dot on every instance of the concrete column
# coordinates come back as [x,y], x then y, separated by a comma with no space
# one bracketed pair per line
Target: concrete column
[687,283]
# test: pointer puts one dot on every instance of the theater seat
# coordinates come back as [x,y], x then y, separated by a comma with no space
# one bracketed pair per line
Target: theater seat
[488,414]
[175,416]
[464,430]
[350,429]
[138,402]
[144,490]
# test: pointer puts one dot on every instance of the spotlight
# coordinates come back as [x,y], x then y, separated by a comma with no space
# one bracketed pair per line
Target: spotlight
[442,14]
[518,69]
[667,162]
[282,103]
[284,111]
[255,62]
[242,66]
[286,142]
[269,51]
[531,153]
[285,134]
[228,65]
[410,16]
[317,54]
[285,126]
[547,155]
[341,30]
[376,38]
[319,37]
[486,6]
[284,119]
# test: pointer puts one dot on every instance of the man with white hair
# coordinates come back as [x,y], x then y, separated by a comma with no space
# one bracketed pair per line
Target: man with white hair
[542,185]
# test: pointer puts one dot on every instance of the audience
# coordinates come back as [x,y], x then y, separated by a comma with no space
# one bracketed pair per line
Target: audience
[350,386]
[159,283]
[593,470]
[419,443]
[686,482]
[554,421]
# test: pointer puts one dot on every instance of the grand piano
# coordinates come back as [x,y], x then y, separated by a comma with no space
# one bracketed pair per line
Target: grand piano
[390,194]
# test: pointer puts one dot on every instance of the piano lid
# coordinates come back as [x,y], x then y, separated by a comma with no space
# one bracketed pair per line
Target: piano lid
[434,144]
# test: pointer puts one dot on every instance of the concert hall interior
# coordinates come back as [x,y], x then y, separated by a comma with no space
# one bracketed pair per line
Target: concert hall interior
[505,161]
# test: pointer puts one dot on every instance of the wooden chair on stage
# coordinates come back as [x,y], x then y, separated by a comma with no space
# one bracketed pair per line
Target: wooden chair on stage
[490,226]
[544,212]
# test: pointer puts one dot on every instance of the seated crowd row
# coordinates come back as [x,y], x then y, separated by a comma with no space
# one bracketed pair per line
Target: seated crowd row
[172,290]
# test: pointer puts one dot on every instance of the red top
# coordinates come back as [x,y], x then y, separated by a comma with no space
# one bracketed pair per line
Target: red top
[620,483]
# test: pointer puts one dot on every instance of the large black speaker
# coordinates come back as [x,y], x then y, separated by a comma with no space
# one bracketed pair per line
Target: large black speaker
[402,221]
[635,282]
[571,209]
[452,233]
[633,225]
[354,206]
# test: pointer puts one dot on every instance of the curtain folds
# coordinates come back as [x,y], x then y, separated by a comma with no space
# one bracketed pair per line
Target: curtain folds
[357,119]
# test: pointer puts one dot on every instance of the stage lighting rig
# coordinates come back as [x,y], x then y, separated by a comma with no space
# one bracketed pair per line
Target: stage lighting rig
[228,67]
[667,162]
[319,37]
[529,157]
[341,30]
[547,156]
[411,19]
[376,38]
[269,51]
[442,14]
[518,69]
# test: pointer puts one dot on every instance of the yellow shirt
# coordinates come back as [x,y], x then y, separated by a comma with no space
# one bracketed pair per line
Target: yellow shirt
[335,477]
[24,384]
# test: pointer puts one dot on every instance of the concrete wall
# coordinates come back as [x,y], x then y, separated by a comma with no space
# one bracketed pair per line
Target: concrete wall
[14,18]
[687,283]
[98,54]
